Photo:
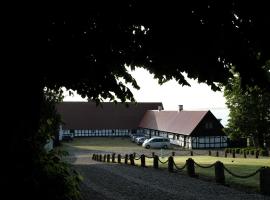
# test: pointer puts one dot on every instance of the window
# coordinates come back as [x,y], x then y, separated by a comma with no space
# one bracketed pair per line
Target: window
[208,125]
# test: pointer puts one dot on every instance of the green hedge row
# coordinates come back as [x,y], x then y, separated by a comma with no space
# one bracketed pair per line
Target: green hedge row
[248,150]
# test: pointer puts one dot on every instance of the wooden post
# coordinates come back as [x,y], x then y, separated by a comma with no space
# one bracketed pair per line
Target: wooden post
[209,153]
[170,164]
[233,153]
[104,157]
[126,159]
[256,154]
[108,158]
[191,153]
[113,157]
[155,162]
[131,158]
[265,181]
[219,173]
[173,153]
[217,154]
[100,158]
[142,160]
[190,167]
[226,154]
[119,158]
[245,154]
[93,156]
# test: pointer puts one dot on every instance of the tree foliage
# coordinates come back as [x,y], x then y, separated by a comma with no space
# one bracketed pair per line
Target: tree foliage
[89,46]
[249,112]
[203,38]
[50,119]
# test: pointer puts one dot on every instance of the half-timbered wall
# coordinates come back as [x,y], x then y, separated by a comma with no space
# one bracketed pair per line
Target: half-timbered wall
[188,141]
[99,132]
[209,142]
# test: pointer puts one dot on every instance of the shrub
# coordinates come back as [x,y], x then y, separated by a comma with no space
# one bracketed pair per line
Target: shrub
[263,152]
[242,150]
[56,179]
[237,150]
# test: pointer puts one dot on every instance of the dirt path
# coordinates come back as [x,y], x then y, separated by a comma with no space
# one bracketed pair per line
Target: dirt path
[103,181]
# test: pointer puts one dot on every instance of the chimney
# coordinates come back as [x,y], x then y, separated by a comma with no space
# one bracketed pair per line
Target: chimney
[180,108]
[159,108]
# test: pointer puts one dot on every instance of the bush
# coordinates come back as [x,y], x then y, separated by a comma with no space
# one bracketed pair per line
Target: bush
[242,151]
[237,150]
[263,152]
[56,179]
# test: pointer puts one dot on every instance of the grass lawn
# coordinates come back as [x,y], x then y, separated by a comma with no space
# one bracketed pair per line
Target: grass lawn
[103,144]
[108,144]
[239,166]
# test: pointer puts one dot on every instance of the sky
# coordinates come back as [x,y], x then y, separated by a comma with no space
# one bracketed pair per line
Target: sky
[171,94]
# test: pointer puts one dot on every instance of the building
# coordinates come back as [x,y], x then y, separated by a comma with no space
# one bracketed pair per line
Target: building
[85,119]
[189,129]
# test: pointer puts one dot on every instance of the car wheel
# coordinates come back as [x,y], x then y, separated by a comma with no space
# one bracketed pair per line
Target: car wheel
[165,147]
[147,147]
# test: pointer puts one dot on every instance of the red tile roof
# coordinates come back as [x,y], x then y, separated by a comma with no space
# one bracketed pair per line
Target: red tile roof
[182,122]
[85,115]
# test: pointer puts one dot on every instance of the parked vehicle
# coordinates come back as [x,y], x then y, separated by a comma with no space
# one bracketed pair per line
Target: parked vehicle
[67,137]
[140,140]
[134,136]
[157,142]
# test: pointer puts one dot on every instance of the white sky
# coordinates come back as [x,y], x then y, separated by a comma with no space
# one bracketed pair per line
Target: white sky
[171,94]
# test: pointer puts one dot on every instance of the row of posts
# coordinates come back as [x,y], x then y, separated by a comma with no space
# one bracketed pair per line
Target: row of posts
[190,165]
[256,155]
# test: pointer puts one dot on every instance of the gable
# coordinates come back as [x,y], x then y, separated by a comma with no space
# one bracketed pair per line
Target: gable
[208,126]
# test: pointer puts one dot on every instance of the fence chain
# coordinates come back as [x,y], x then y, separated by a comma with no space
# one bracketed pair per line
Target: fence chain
[242,176]
[138,158]
[179,168]
[209,166]
[149,157]
[162,161]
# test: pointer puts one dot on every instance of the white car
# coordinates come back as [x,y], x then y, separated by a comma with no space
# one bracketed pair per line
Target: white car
[157,142]
[133,137]
[140,140]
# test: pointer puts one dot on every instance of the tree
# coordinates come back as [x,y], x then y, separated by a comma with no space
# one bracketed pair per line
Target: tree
[203,39]
[89,46]
[50,120]
[249,112]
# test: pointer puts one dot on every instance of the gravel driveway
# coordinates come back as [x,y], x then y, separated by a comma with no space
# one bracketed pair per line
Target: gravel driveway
[106,181]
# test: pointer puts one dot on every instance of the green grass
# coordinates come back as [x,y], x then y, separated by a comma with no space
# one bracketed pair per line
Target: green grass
[103,144]
[113,144]
[240,166]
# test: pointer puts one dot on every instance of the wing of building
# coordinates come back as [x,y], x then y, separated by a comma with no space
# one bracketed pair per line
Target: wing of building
[108,119]
[190,129]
